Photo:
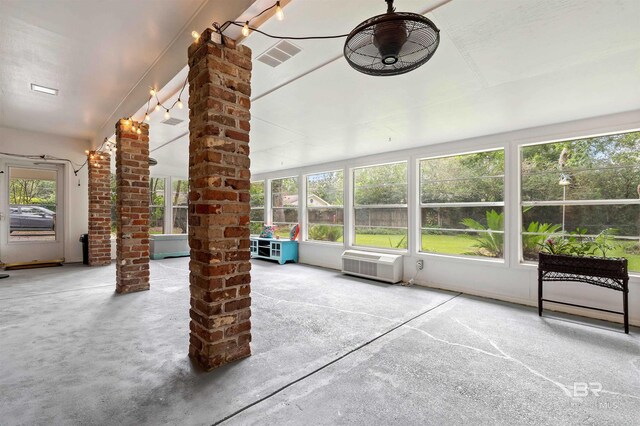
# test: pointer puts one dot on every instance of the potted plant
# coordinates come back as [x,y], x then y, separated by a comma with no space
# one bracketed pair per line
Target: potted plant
[576,257]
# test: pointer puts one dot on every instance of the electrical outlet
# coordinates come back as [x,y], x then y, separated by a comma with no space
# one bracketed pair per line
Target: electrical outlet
[420,264]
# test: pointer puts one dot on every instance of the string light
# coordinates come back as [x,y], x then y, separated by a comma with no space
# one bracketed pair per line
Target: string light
[147,117]
[245,29]
[279,12]
[180,105]
[152,92]
[157,108]
[167,115]
[195,35]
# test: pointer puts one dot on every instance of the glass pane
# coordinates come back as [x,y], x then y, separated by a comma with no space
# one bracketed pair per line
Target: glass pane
[389,238]
[475,177]
[381,227]
[156,208]
[285,215]
[325,189]
[179,201]
[257,194]
[322,232]
[180,220]
[465,243]
[384,184]
[32,204]
[606,167]
[326,216]
[283,229]
[625,219]
[284,192]
[541,222]
[475,231]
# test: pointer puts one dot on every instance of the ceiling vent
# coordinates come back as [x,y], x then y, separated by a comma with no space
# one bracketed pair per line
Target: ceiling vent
[172,121]
[279,53]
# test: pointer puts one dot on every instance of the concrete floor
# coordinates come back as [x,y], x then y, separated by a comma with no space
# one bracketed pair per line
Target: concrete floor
[327,349]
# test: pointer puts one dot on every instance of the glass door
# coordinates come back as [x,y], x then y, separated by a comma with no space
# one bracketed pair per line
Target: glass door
[32,217]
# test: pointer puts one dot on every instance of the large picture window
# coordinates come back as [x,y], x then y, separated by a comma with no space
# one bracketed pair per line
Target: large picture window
[257,207]
[589,187]
[325,206]
[284,204]
[462,204]
[179,205]
[380,206]
[156,205]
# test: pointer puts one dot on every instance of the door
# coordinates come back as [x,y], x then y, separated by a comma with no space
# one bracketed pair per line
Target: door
[31,212]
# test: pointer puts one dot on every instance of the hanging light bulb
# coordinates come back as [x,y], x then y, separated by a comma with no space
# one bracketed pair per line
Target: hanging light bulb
[146,117]
[152,92]
[157,108]
[133,128]
[167,115]
[195,34]
[245,29]
[126,122]
[279,12]
[138,131]
[86,151]
[180,105]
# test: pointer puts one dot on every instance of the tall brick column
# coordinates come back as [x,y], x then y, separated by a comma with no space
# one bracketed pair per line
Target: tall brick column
[132,207]
[219,179]
[99,208]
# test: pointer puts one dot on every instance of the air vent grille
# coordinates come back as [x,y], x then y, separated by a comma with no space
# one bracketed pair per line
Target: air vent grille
[172,121]
[279,53]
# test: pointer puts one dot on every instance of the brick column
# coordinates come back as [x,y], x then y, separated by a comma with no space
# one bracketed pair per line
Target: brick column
[99,208]
[132,207]
[219,179]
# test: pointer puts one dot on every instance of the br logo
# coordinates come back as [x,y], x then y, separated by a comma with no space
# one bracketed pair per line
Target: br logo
[582,389]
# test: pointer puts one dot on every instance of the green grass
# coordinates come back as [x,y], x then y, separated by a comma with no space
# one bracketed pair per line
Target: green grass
[461,245]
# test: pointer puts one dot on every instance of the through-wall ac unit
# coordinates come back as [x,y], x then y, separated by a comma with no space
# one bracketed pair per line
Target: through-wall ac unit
[379,266]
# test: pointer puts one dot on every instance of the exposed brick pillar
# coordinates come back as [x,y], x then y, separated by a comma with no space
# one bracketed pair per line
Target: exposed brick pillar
[99,208]
[132,207]
[219,179]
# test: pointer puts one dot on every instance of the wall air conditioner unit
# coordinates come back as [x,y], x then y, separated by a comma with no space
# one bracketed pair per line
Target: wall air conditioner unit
[379,266]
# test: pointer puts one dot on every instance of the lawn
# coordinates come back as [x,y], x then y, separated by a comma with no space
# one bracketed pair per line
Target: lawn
[460,245]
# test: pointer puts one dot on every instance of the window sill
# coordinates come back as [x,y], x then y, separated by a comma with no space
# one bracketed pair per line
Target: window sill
[322,243]
[489,261]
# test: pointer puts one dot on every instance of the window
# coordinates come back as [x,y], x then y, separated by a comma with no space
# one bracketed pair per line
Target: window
[257,207]
[586,186]
[33,203]
[462,204]
[284,204]
[380,206]
[156,206]
[179,207]
[325,206]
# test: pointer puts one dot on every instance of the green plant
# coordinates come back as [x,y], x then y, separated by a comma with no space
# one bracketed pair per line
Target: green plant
[402,244]
[604,241]
[325,233]
[490,241]
[535,235]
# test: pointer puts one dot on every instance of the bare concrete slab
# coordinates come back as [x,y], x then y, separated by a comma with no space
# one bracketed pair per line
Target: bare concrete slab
[327,349]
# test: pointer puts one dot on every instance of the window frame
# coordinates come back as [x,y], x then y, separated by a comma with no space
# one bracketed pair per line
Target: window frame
[305,227]
[550,203]
[503,204]
[271,208]
[264,203]
[352,207]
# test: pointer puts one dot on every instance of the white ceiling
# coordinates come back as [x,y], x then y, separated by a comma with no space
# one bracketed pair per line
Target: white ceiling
[502,65]
[94,52]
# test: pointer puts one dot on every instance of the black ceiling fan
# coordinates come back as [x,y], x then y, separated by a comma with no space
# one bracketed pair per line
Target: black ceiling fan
[391,44]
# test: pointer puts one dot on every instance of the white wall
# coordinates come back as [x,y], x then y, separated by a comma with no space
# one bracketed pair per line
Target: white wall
[507,280]
[75,201]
